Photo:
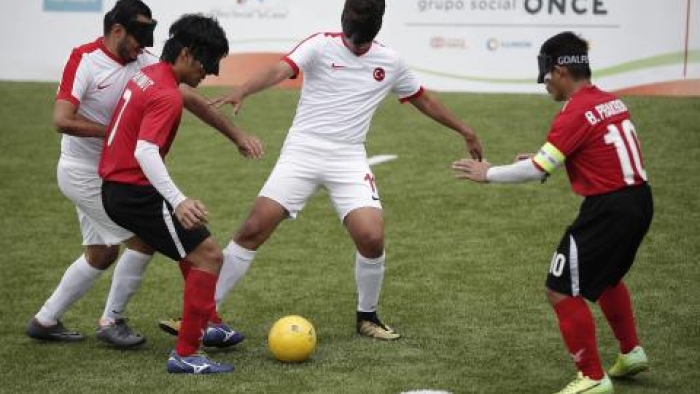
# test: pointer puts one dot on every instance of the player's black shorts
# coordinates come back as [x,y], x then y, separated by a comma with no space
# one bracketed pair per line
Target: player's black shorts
[144,212]
[599,248]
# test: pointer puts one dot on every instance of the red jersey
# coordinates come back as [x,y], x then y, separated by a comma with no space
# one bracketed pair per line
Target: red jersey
[150,109]
[595,137]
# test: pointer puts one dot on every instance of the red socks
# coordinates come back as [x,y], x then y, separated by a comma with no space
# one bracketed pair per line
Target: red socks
[578,330]
[185,267]
[617,307]
[198,307]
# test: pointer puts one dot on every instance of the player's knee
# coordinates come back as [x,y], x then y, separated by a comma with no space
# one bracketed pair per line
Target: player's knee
[554,297]
[371,244]
[101,256]
[252,233]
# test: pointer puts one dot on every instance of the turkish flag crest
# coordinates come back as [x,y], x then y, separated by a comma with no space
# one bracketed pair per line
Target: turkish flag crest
[379,74]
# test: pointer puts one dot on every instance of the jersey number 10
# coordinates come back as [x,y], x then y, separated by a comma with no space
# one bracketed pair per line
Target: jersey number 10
[624,151]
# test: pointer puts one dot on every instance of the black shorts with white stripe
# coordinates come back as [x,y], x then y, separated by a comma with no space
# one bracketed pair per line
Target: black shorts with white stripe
[599,248]
[144,212]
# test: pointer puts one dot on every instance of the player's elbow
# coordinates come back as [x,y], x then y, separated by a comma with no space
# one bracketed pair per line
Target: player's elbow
[60,123]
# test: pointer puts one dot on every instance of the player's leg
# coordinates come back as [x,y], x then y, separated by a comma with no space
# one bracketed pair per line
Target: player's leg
[77,279]
[126,279]
[262,221]
[569,279]
[292,182]
[628,232]
[142,210]
[366,228]
[617,308]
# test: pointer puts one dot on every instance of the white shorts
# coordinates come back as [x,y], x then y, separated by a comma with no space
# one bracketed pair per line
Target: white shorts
[342,170]
[83,186]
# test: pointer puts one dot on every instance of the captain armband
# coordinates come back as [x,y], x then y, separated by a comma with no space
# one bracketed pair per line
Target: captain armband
[549,158]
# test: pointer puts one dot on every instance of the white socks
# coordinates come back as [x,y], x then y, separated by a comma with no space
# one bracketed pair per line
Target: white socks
[125,281]
[76,281]
[237,260]
[368,277]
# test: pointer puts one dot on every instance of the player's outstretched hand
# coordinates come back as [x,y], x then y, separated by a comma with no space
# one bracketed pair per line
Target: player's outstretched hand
[192,214]
[474,146]
[471,169]
[235,98]
[523,156]
[251,147]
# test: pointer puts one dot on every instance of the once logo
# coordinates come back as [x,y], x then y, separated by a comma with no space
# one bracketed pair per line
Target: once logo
[562,7]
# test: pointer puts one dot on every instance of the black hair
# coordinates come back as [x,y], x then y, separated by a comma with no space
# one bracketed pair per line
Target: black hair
[362,19]
[202,35]
[568,50]
[123,12]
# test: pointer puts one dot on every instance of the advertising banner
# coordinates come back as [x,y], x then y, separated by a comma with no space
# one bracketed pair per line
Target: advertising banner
[637,46]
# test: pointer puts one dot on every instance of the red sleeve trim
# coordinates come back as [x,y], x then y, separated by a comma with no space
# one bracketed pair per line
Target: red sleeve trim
[302,43]
[415,95]
[293,65]
[68,97]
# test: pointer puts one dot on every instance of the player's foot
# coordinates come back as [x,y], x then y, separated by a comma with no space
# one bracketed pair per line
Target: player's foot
[217,335]
[119,334]
[585,385]
[197,363]
[221,335]
[171,326]
[630,364]
[369,325]
[58,332]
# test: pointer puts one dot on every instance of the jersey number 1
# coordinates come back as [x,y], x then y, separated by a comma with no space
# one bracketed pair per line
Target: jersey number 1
[126,97]
[614,137]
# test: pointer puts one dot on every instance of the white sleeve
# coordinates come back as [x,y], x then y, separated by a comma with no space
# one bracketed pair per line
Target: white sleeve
[305,54]
[407,84]
[151,163]
[522,171]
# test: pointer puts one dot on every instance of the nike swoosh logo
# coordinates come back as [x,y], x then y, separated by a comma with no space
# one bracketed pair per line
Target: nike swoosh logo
[100,86]
[337,66]
[375,198]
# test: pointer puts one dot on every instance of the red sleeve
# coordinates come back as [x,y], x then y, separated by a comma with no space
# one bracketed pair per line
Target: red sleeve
[568,132]
[160,117]
[65,89]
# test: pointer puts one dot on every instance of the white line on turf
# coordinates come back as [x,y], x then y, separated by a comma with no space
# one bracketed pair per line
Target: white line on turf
[426,392]
[379,159]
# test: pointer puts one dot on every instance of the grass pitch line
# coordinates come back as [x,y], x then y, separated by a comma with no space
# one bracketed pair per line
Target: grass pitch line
[379,159]
[425,392]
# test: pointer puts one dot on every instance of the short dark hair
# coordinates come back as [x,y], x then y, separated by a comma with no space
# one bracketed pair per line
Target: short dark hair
[125,11]
[568,45]
[362,19]
[202,35]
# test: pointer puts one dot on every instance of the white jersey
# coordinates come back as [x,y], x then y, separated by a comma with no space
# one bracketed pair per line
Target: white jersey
[94,79]
[342,90]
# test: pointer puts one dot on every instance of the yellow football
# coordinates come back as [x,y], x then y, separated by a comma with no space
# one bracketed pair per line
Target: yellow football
[292,339]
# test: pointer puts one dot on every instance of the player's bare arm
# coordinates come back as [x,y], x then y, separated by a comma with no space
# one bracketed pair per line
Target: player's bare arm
[267,77]
[66,120]
[433,108]
[248,145]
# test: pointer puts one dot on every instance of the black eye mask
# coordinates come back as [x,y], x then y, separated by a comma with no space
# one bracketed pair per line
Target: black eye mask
[546,63]
[142,31]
